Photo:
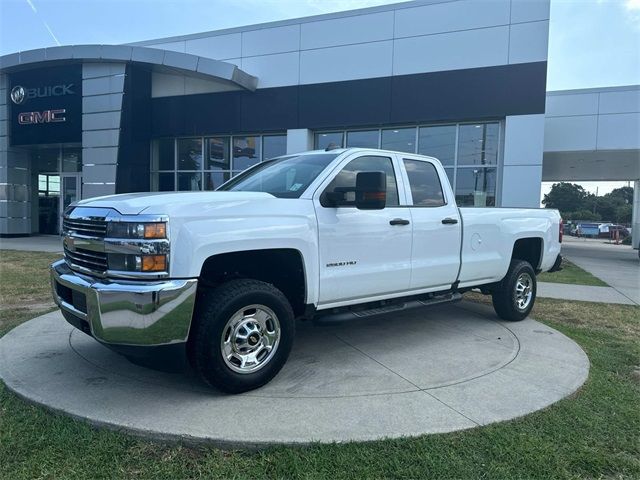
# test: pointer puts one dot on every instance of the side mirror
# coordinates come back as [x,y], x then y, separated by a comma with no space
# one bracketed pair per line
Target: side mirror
[371,190]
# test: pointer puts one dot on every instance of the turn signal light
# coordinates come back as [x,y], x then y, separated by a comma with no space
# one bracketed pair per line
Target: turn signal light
[155,230]
[154,263]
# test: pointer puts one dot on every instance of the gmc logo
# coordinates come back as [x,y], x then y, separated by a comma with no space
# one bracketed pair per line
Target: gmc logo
[47,116]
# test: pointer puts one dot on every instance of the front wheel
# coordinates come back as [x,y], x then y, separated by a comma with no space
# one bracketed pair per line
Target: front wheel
[514,296]
[243,333]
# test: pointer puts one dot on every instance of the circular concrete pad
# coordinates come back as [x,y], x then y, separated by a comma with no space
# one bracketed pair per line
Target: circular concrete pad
[433,370]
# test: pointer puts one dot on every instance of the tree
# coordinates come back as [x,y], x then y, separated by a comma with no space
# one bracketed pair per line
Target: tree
[621,196]
[566,197]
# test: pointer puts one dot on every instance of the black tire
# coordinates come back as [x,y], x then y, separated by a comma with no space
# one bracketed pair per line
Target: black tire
[217,307]
[505,295]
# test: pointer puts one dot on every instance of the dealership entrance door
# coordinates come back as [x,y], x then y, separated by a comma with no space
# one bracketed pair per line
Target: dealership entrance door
[58,171]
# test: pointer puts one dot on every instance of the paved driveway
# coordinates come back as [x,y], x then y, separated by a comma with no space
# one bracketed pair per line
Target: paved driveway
[618,265]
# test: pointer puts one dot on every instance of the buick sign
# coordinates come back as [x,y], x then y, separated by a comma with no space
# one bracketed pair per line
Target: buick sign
[17,94]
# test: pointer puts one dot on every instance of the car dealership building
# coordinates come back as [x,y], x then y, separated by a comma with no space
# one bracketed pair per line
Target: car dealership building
[461,80]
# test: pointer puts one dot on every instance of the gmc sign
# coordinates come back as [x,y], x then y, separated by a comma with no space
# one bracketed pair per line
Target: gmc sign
[48,116]
[46,105]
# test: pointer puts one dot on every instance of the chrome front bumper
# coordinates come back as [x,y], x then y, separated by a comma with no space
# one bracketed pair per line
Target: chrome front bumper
[133,313]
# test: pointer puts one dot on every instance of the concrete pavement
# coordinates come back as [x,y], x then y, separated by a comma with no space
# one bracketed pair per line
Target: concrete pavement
[617,265]
[583,293]
[433,370]
[34,243]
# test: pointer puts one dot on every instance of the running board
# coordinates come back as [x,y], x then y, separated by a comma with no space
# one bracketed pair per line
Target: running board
[347,315]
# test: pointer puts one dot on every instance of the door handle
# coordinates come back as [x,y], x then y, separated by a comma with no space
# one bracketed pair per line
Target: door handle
[398,221]
[449,221]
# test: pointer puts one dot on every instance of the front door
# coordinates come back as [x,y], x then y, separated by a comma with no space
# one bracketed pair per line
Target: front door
[363,253]
[437,226]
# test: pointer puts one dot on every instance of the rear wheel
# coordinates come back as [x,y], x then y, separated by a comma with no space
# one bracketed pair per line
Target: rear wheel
[514,296]
[243,333]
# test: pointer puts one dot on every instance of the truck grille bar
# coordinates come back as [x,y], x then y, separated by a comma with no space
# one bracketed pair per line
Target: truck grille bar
[89,228]
[90,260]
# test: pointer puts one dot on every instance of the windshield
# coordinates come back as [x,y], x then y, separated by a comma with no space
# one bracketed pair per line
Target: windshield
[284,177]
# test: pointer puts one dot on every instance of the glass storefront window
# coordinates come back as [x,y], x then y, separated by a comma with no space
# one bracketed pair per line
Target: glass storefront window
[438,142]
[323,140]
[476,187]
[363,139]
[478,144]
[213,180]
[273,146]
[218,154]
[189,181]
[450,175]
[399,139]
[189,154]
[246,152]
[71,159]
[163,182]
[163,153]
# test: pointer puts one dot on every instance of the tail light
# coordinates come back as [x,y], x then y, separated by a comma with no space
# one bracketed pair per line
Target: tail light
[561,230]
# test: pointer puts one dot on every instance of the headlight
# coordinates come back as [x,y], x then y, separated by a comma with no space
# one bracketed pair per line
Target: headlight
[155,230]
[133,253]
[137,263]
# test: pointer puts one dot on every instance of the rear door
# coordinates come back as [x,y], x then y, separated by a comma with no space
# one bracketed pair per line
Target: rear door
[435,253]
[363,253]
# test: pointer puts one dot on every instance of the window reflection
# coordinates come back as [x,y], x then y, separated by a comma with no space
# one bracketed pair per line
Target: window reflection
[399,140]
[363,139]
[438,142]
[333,139]
[213,180]
[476,187]
[218,153]
[478,144]
[273,146]
[189,153]
[246,152]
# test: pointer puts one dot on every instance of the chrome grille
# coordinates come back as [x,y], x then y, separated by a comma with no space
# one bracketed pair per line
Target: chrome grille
[87,259]
[85,227]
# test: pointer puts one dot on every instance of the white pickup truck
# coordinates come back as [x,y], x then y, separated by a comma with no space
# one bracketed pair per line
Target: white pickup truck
[322,235]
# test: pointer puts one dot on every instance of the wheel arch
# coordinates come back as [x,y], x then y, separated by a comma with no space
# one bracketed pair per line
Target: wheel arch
[282,267]
[530,250]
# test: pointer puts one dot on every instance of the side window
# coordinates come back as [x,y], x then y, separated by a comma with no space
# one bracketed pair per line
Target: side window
[426,189]
[347,176]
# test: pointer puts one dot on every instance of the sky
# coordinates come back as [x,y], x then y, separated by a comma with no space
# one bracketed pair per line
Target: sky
[592,43]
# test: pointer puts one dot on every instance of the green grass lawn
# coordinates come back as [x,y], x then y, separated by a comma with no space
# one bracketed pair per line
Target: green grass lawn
[573,274]
[593,434]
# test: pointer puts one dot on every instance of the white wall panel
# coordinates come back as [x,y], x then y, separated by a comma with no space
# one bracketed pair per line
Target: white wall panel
[169,85]
[271,40]
[166,85]
[574,104]
[523,142]
[529,10]
[451,51]
[173,46]
[451,16]
[529,42]
[217,47]
[343,31]
[620,131]
[570,133]
[367,60]
[521,186]
[625,101]
[273,70]
[299,140]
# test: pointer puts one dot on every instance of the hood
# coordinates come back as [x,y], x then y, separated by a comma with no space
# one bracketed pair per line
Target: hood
[160,202]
